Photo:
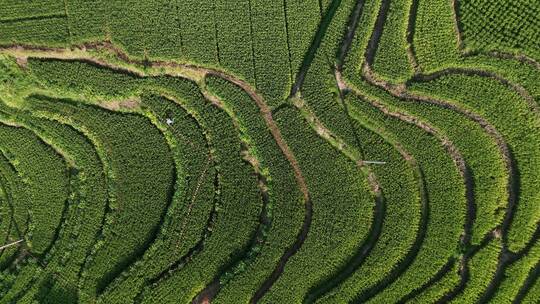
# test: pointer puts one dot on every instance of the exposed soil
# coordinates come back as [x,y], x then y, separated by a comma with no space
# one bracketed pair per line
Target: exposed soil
[116,105]
[21,61]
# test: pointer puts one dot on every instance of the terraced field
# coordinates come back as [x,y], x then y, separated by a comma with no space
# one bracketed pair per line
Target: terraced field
[258,151]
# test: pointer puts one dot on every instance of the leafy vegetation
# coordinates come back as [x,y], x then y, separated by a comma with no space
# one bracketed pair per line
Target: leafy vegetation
[255,151]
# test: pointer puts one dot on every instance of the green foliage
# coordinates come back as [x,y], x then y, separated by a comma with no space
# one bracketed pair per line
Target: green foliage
[136,158]
[86,204]
[238,208]
[44,174]
[489,177]
[234,37]
[164,188]
[273,75]
[444,189]
[187,216]
[13,9]
[516,274]
[510,114]
[391,60]
[501,25]
[482,267]
[401,190]
[435,38]
[285,206]
[51,30]
[341,219]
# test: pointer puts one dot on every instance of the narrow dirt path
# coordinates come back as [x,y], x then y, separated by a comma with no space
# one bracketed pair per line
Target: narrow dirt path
[519,57]
[512,188]
[326,286]
[401,92]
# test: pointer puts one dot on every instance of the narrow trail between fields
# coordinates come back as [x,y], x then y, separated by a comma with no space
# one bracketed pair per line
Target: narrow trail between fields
[481,73]
[456,157]
[147,68]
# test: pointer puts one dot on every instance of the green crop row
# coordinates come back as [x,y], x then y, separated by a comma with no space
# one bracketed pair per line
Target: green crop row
[285,208]
[517,72]
[142,28]
[321,95]
[440,287]
[188,215]
[519,126]
[6,216]
[337,29]
[83,78]
[198,31]
[510,26]
[234,37]
[106,86]
[303,20]
[352,63]
[17,203]
[400,184]
[13,9]
[340,220]
[516,274]
[482,267]
[24,277]
[86,204]
[480,152]
[238,210]
[52,31]
[435,38]
[87,20]
[391,60]
[136,155]
[272,62]
[45,176]
[532,294]
[445,192]
[320,87]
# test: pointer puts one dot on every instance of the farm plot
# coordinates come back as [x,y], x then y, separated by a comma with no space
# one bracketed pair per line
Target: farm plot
[253,151]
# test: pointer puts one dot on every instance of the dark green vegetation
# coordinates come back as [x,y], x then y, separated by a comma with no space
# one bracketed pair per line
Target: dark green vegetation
[257,151]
